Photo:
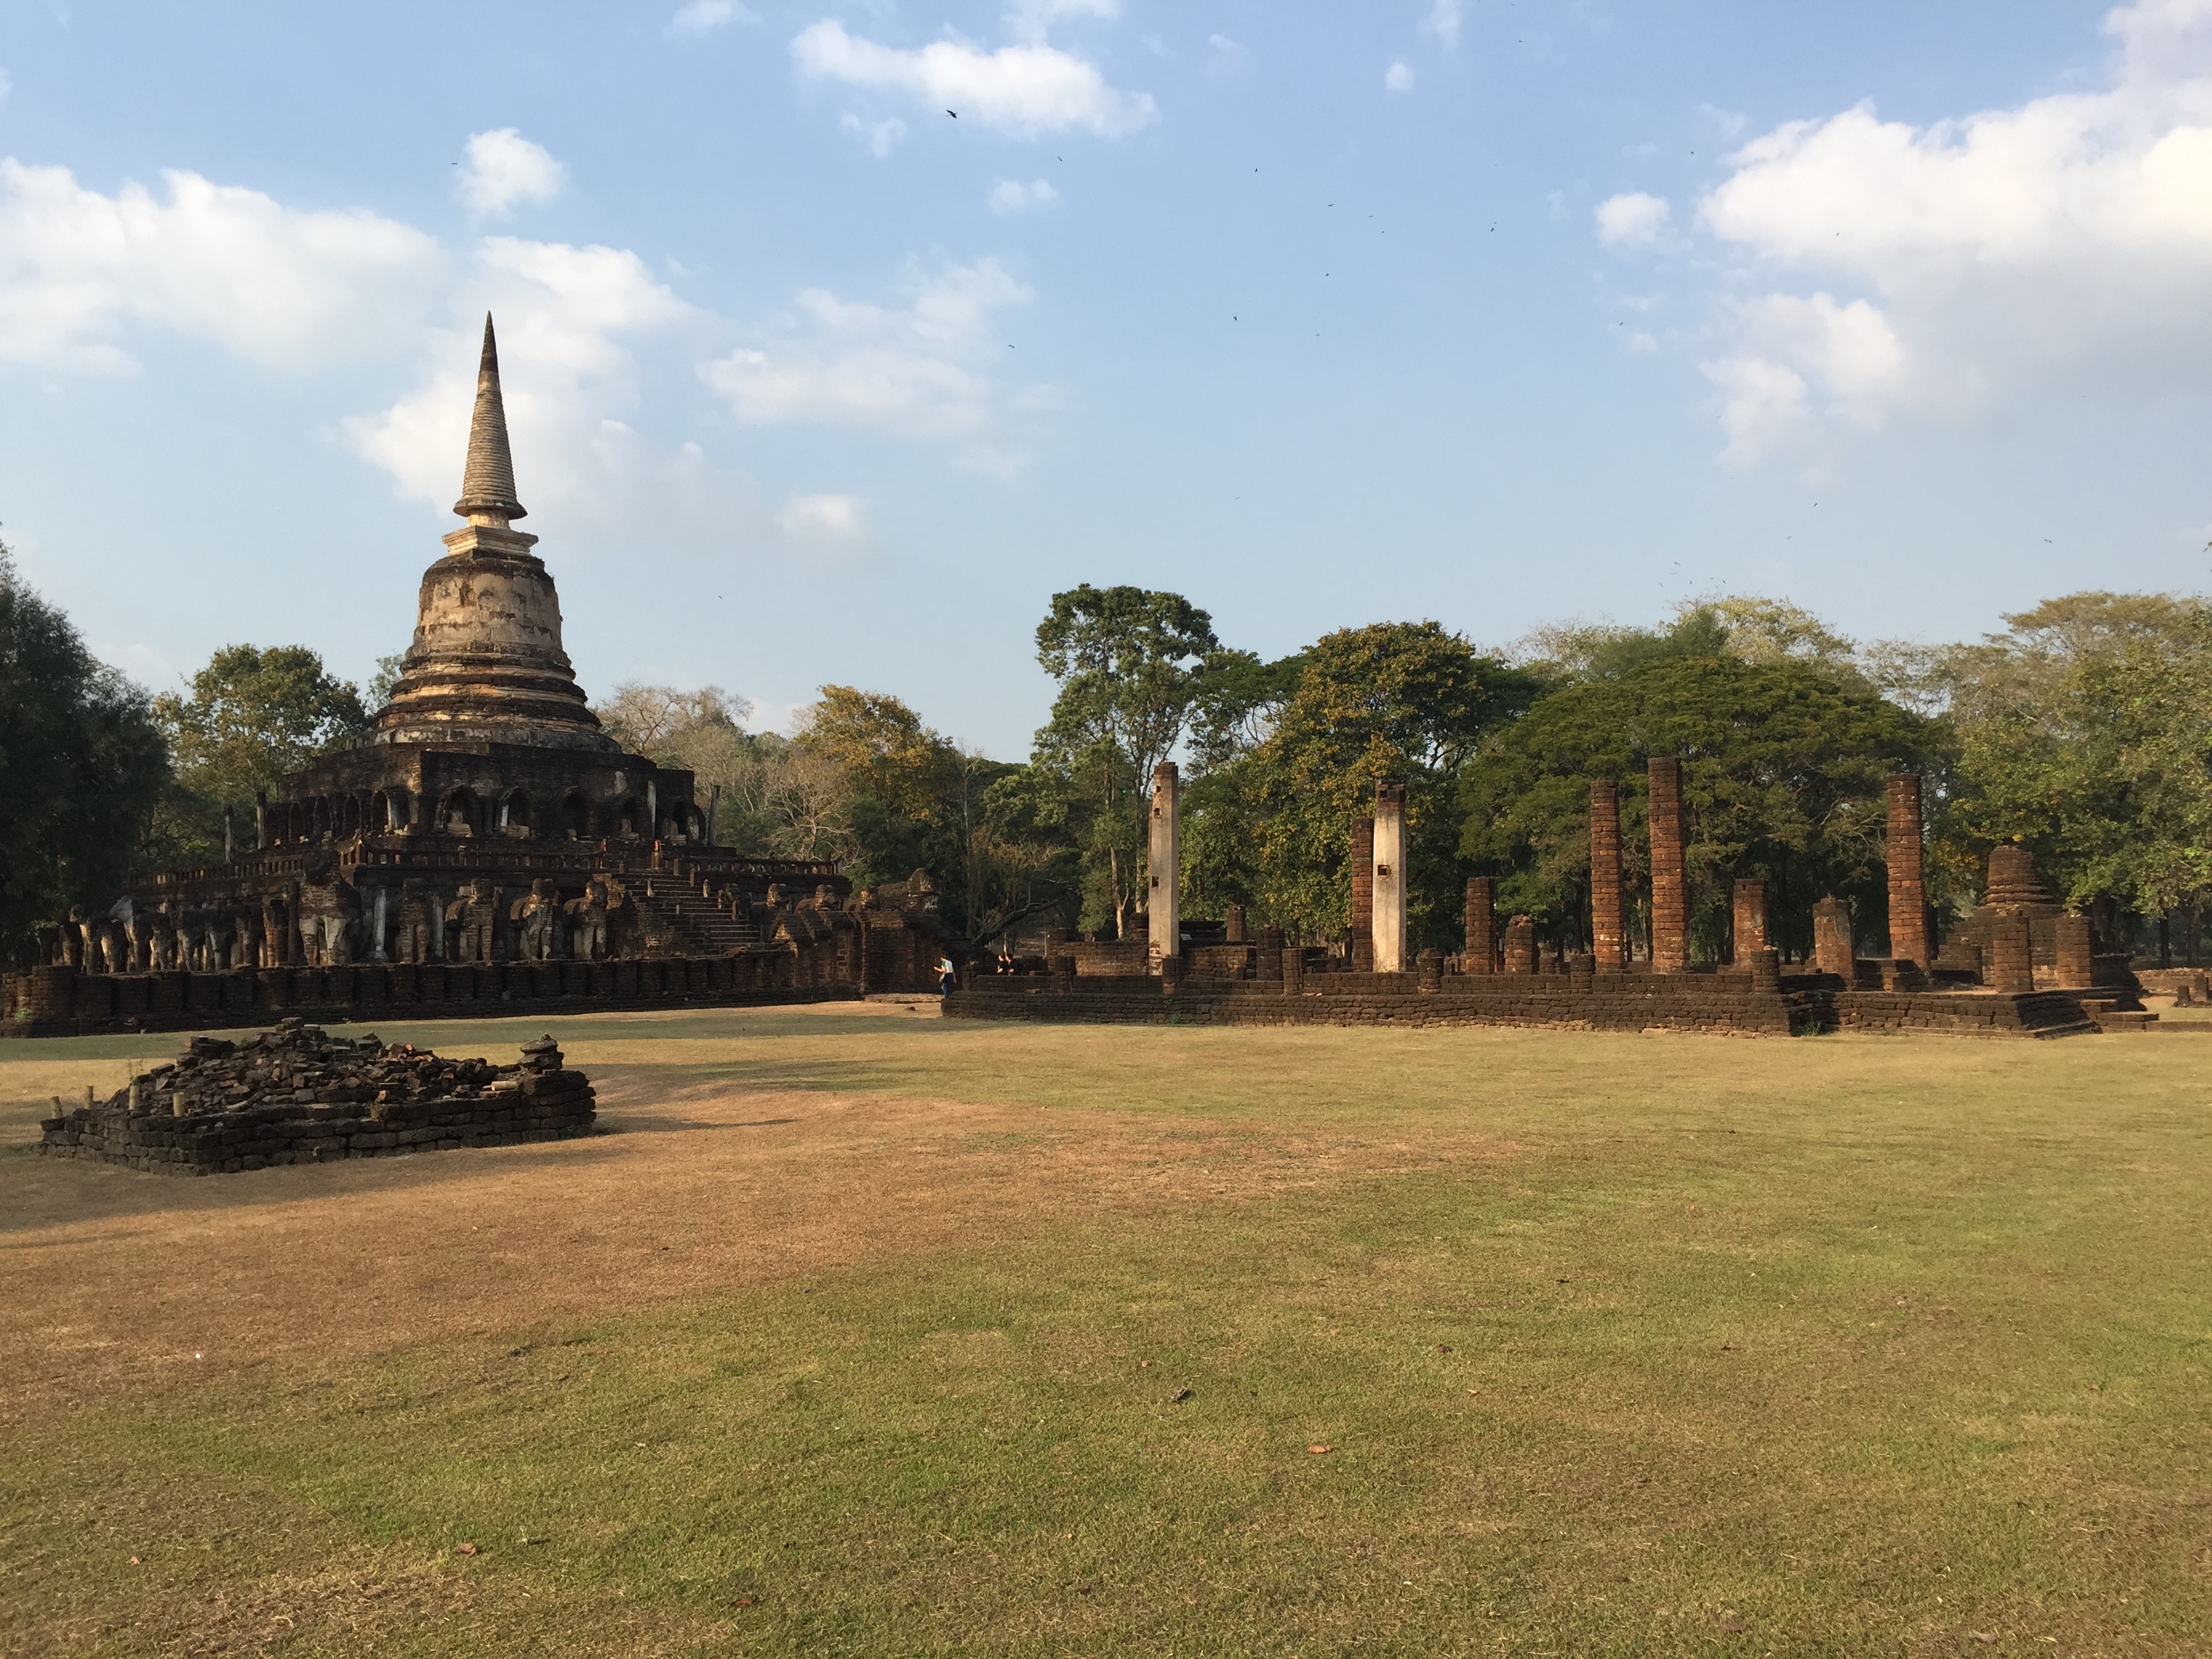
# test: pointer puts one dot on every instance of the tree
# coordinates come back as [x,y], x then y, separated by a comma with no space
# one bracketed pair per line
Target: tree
[1396,702]
[1746,626]
[1783,772]
[84,764]
[1239,699]
[251,716]
[1128,661]
[2064,743]
[2155,686]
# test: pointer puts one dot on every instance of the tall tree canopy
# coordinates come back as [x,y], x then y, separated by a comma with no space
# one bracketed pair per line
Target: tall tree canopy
[1128,661]
[1395,702]
[2075,729]
[83,761]
[249,717]
[1782,770]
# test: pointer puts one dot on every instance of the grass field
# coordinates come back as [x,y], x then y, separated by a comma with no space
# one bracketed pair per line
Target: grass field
[865,1333]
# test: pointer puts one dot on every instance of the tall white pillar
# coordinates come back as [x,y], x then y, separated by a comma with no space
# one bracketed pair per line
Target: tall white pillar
[1389,902]
[1163,920]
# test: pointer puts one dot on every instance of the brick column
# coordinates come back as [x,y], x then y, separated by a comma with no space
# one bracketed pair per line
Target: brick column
[1269,955]
[2076,963]
[1388,895]
[1429,965]
[1609,933]
[1363,896]
[1163,920]
[1521,945]
[2009,970]
[1481,925]
[1294,971]
[1908,888]
[1670,898]
[1750,918]
[1834,951]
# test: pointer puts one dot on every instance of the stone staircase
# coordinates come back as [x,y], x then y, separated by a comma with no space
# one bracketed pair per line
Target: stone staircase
[2110,1017]
[698,927]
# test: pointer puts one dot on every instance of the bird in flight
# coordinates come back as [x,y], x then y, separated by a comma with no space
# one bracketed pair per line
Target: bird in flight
[954,114]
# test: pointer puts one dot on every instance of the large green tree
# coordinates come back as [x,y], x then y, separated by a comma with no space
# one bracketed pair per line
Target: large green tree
[2072,728]
[1128,661]
[1782,770]
[83,764]
[252,716]
[1395,702]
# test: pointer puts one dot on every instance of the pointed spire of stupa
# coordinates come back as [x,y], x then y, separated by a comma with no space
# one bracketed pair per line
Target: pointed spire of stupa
[488,485]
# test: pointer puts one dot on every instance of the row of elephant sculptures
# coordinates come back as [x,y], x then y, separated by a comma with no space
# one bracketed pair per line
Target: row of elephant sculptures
[333,923]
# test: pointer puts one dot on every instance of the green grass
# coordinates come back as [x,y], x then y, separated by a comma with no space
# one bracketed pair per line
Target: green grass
[1846,1346]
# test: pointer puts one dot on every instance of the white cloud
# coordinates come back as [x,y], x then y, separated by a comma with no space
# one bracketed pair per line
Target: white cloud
[1443,21]
[1028,89]
[1011,196]
[1398,77]
[504,168]
[1030,19]
[1786,347]
[704,16]
[1634,220]
[1227,57]
[930,368]
[2061,246]
[882,138]
[822,519]
[290,289]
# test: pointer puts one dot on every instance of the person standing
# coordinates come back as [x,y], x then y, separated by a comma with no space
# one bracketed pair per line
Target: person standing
[948,981]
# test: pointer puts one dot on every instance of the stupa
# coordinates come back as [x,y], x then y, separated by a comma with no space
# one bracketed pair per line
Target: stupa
[486,847]
[488,736]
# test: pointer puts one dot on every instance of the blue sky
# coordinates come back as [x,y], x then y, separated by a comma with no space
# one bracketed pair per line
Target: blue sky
[1497,314]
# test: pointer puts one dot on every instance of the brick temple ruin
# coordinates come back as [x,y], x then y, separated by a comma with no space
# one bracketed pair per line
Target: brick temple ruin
[485,849]
[2021,964]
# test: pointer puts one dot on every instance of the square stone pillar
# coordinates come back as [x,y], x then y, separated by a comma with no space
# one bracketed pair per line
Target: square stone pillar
[1608,931]
[1233,929]
[2076,961]
[1481,925]
[2009,970]
[1750,919]
[1163,921]
[1363,896]
[1908,888]
[1834,951]
[1268,958]
[1389,889]
[1670,892]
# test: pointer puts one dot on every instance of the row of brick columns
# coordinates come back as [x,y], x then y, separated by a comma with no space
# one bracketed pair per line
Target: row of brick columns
[1379,896]
[1670,943]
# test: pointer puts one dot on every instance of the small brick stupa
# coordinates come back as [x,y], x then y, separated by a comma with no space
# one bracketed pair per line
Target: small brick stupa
[2014,884]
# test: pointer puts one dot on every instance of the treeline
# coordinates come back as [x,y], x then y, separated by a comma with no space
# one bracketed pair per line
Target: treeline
[2083,731]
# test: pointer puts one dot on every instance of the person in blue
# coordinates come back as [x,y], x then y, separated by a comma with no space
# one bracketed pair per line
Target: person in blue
[948,982]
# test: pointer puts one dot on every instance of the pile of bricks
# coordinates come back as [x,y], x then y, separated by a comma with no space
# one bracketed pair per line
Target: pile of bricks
[296,1095]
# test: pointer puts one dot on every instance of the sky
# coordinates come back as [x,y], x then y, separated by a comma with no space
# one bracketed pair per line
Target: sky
[837,339]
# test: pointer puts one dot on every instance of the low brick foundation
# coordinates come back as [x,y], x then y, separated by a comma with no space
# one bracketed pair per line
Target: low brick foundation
[63,1002]
[297,1094]
[232,1141]
[1733,1004]
[1720,1002]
